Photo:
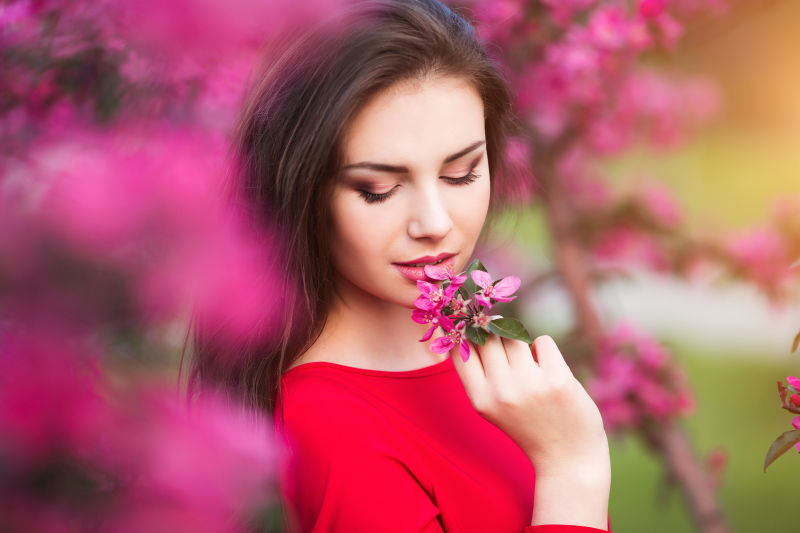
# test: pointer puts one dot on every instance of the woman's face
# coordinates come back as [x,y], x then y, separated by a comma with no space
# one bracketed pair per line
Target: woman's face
[414,188]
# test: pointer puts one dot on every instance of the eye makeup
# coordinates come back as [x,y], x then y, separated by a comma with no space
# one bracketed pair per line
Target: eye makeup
[372,197]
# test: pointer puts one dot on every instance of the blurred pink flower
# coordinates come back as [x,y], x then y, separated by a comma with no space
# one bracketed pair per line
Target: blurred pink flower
[636,381]
[652,8]
[497,18]
[104,454]
[659,201]
[609,27]
[563,11]
[761,256]
[153,210]
[624,245]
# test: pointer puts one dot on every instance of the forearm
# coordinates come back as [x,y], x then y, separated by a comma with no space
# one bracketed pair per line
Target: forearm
[573,495]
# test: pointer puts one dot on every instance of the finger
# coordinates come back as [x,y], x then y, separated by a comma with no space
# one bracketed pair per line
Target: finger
[470,371]
[548,355]
[520,356]
[494,359]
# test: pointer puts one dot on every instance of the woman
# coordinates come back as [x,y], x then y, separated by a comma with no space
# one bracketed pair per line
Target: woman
[372,142]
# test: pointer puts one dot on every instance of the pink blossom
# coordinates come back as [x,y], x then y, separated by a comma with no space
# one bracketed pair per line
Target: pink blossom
[796,425]
[635,381]
[659,201]
[793,381]
[671,30]
[481,319]
[459,304]
[497,18]
[608,26]
[652,8]
[501,291]
[148,463]
[761,255]
[445,272]
[422,316]
[153,210]
[454,336]
[625,244]
[432,297]
[563,11]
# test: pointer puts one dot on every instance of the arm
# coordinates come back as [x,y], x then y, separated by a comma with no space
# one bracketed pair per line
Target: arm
[368,492]
[530,394]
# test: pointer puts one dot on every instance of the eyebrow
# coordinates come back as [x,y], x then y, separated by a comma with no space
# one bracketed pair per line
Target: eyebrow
[380,167]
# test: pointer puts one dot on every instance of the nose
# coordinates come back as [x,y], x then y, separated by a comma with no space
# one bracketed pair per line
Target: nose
[430,217]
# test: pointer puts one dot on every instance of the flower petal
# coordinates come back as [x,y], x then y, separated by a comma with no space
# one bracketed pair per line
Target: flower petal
[442,345]
[463,349]
[425,303]
[796,422]
[421,316]
[507,286]
[429,333]
[482,279]
[793,381]
[446,323]
[483,300]
[436,272]
[427,288]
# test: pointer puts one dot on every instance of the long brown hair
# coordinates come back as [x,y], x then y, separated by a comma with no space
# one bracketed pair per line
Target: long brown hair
[289,149]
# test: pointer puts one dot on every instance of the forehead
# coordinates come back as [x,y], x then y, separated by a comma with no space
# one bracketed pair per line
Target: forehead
[416,122]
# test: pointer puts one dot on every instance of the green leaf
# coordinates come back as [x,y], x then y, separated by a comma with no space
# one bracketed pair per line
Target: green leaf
[469,284]
[477,335]
[781,445]
[796,342]
[510,328]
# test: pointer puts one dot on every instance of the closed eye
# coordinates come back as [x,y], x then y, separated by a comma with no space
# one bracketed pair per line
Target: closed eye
[463,180]
[371,197]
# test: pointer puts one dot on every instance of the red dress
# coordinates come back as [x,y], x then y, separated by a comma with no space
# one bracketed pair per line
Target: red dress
[375,451]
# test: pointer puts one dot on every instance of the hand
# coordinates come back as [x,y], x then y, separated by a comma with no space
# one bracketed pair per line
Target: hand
[532,396]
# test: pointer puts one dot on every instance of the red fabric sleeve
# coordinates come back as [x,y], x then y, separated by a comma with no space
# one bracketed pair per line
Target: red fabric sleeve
[358,491]
[365,490]
[557,528]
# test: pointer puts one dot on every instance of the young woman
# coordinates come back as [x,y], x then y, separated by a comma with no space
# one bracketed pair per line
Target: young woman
[372,142]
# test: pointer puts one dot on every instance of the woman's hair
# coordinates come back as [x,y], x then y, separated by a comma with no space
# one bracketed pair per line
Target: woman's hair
[289,150]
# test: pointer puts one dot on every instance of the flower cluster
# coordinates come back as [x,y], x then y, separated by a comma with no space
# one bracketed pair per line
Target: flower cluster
[82,451]
[636,382]
[790,400]
[459,307]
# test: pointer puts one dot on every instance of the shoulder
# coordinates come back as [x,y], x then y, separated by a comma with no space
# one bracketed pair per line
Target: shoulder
[346,469]
[320,404]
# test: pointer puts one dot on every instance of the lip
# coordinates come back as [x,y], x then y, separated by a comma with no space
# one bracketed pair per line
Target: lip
[417,273]
[427,259]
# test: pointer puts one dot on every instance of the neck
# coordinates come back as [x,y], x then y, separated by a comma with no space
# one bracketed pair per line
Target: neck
[367,332]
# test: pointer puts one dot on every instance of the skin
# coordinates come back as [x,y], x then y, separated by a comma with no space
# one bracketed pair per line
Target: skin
[535,399]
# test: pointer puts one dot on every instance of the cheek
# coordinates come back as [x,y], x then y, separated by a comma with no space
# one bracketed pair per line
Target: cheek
[359,233]
[472,205]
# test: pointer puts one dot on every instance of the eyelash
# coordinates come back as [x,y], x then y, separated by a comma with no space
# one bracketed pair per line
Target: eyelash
[371,197]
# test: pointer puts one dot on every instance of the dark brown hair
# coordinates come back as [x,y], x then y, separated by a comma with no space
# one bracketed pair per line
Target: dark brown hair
[289,148]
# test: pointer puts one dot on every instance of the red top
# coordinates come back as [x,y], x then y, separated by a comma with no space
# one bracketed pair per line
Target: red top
[378,451]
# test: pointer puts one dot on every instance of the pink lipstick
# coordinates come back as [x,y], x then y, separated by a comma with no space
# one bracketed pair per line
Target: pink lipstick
[415,269]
